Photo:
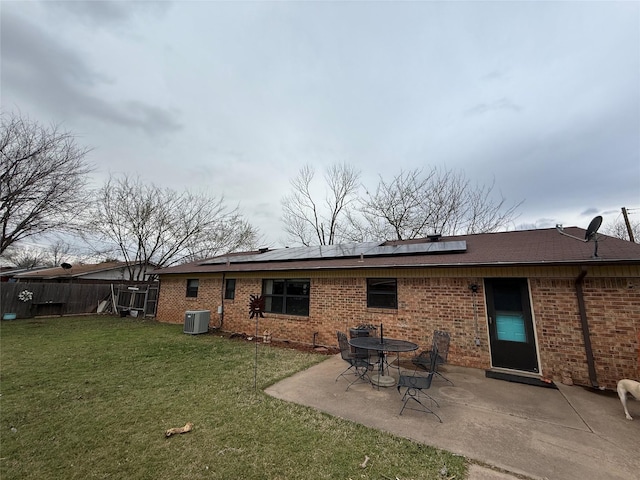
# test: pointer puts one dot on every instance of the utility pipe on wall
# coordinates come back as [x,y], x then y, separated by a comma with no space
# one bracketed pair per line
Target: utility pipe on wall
[221,313]
[585,328]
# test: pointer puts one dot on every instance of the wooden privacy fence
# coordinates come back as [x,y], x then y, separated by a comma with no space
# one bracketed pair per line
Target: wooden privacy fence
[59,298]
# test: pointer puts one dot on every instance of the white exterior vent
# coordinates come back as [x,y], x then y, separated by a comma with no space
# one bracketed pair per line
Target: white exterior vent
[196,321]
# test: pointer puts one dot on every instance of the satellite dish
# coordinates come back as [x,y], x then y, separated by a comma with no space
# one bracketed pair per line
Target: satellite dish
[591,233]
[593,227]
[592,230]
[65,265]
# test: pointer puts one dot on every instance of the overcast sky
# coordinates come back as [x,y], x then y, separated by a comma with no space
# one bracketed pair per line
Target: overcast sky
[234,97]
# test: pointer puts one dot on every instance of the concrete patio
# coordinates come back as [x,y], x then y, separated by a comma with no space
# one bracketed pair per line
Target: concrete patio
[507,430]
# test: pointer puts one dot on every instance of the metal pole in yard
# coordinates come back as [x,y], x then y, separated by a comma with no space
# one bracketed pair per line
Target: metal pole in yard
[255,368]
[256,307]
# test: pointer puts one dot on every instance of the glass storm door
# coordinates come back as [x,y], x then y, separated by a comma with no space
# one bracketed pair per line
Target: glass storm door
[510,321]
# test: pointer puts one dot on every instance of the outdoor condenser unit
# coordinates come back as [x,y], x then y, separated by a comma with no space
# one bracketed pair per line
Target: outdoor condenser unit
[196,321]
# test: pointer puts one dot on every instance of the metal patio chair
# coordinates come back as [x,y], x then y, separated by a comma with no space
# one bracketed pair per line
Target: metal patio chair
[440,344]
[358,365]
[416,386]
[360,331]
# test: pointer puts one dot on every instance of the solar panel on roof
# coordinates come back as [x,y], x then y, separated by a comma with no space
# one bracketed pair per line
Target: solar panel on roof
[431,247]
[367,249]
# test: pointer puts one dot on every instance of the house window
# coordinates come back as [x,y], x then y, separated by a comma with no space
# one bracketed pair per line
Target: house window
[287,296]
[230,289]
[382,293]
[192,287]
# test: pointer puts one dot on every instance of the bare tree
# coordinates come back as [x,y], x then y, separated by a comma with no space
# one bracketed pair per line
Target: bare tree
[397,209]
[151,226]
[486,213]
[21,257]
[59,252]
[446,201]
[414,204]
[46,255]
[312,223]
[43,176]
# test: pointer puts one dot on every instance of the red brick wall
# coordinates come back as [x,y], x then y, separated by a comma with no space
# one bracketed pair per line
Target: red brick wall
[613,313]
[173,302]
[444,303]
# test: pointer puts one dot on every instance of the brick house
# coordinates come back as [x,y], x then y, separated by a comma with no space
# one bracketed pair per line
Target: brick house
[533,302]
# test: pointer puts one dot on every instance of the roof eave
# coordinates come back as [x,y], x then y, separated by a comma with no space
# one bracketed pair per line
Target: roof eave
[362,265]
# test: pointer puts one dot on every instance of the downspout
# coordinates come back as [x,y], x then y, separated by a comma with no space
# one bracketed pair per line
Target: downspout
[221,314]
[585,328]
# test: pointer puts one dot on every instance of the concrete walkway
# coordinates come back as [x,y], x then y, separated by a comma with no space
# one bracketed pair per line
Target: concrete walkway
[507,430]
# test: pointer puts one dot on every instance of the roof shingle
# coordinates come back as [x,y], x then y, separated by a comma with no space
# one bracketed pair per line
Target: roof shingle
[522,247]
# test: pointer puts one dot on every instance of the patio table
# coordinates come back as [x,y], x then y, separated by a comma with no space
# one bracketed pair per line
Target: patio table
[383,346]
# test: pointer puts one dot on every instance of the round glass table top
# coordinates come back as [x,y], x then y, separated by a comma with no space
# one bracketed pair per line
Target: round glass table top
[383,345]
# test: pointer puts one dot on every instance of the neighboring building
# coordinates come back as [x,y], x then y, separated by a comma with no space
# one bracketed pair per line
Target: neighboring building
[7,273]
[84,273]
[533,302]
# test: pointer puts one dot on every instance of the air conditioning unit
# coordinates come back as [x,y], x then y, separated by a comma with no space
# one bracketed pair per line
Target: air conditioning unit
[196,321]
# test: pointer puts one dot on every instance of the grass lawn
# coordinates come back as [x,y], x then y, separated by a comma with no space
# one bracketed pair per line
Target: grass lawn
[91,397]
